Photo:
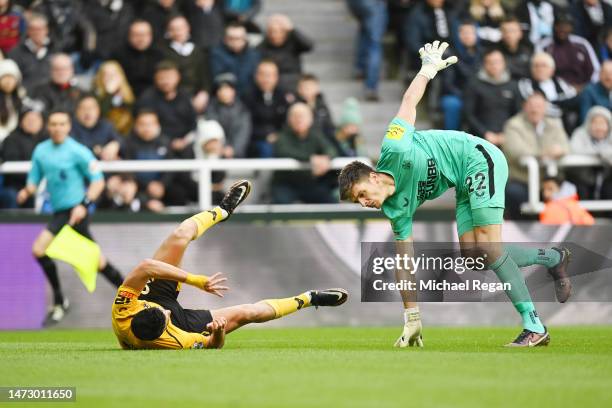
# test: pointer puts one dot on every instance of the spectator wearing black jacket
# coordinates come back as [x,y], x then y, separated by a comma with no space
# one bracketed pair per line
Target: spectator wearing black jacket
[173,107]
[70,28]
[456,77]
[33,53]
[206,21]
[111,20]
[96,133]
[428,21]
[191,60]
[268,105]
[19,145]
[232,114]
[516,51]
[61,92]
[591,18]
[157,13]
[284,45]
[139,56]
[491,98]
[147,142]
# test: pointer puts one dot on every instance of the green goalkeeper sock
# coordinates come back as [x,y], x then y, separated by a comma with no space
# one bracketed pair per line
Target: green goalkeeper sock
[508,272]
[525,256]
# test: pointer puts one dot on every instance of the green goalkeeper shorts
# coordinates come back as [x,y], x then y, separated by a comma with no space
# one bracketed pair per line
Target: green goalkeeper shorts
[481,197]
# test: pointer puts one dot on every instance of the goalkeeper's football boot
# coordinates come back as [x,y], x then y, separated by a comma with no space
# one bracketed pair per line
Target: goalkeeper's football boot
[563,285]
[328,297]
[236,194]
[527,338]
[57,313]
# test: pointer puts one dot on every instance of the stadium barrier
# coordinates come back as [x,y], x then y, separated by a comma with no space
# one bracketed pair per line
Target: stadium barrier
[203,167]
[551,168]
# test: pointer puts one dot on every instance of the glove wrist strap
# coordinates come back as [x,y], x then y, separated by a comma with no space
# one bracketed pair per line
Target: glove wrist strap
[428,71]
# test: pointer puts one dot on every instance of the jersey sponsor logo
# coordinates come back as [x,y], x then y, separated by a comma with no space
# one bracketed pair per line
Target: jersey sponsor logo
[426,187]
[395,132]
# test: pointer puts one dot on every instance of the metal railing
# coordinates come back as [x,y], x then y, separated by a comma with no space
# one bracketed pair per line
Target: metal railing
[534,205]
[203,167]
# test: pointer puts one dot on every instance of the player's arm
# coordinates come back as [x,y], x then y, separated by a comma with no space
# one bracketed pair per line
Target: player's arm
[411,334]
[34,176]
[154,269]
[432,62]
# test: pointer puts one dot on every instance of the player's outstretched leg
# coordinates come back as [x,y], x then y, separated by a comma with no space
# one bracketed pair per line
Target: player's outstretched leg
[270,309]
[554,259]
[488,239]
[173,248]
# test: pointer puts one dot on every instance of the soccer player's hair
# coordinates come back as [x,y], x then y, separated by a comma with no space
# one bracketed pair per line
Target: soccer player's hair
[149,324]
[166,65]
[352,173]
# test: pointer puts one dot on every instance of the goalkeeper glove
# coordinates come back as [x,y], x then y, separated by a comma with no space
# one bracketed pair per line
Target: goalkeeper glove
[412,329]
[431,57]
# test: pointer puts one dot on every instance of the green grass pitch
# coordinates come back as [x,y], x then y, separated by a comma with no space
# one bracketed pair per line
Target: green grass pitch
[319,367]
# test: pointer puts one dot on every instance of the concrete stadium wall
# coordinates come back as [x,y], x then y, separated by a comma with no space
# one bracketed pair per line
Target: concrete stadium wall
[272,260]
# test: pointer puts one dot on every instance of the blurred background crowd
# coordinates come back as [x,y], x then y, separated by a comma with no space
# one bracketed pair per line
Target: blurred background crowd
[208,79]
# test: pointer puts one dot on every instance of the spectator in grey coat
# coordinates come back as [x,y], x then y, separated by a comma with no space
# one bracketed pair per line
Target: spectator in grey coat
[594,138]
[233,116]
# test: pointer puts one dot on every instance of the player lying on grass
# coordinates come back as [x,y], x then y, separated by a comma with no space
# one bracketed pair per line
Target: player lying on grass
[146,313]
[415,166]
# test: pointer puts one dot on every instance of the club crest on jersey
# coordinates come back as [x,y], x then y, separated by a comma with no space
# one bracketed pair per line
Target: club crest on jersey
[395,132]
[407,164]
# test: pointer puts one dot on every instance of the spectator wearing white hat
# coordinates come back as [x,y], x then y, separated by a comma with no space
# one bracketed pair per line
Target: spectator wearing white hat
[210,144]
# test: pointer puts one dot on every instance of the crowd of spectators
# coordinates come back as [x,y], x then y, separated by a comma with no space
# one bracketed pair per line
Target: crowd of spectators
[166,79]
[200,79]
[531,75]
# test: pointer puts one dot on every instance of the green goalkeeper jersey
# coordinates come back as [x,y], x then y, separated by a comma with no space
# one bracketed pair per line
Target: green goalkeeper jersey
[424,164]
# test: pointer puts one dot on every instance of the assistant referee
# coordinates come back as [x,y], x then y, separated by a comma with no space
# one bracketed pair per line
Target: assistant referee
[67,166]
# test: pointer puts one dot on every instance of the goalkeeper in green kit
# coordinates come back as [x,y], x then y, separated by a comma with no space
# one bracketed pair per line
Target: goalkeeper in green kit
[415,166]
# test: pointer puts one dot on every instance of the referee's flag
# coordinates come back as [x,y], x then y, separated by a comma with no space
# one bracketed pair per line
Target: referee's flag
[80,252]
